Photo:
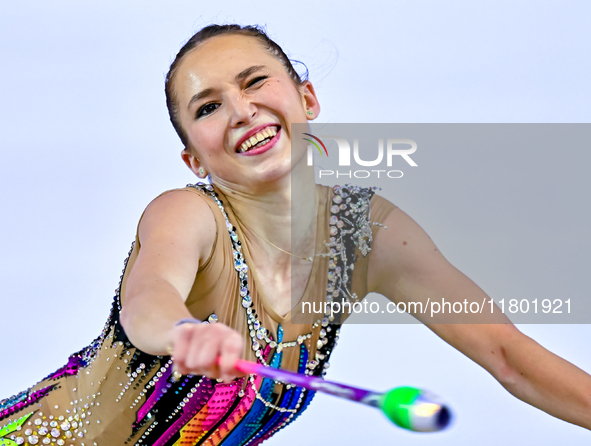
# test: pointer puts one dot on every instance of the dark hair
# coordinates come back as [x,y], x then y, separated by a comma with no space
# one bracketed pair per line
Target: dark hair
[207,33]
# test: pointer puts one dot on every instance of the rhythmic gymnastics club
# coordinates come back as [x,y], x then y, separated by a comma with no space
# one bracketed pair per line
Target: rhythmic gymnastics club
[408,407]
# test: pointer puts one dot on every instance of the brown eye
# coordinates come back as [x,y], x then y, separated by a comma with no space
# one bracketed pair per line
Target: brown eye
[206,109]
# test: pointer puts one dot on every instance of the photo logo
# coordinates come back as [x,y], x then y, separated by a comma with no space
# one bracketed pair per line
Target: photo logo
[394,147]
[317,139]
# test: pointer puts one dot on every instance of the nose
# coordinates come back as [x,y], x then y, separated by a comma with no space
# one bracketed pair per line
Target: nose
[241,109]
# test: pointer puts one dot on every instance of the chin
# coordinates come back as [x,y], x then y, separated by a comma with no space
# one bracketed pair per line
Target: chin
[274,174]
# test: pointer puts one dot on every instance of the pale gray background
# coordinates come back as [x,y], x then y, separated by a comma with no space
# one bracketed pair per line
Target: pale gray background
[515,172]
[86,144]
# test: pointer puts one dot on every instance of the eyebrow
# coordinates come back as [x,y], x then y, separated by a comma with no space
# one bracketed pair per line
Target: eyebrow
[239,77]
[245,73]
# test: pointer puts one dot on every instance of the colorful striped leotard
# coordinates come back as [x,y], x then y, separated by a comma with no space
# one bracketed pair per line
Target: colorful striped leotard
[112,394]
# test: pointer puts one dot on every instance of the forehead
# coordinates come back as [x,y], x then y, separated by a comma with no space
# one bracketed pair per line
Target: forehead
[221,58]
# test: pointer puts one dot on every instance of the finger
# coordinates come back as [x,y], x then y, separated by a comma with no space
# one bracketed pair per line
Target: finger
[180,348]
[203,352]
[231,350]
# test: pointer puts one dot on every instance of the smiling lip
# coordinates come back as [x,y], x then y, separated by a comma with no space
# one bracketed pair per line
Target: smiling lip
[253,132]
[241,146]
[263,149]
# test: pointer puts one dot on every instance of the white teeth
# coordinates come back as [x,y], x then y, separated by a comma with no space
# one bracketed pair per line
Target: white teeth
[254,140]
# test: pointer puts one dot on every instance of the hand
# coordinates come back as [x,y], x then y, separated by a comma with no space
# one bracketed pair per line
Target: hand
[197,347]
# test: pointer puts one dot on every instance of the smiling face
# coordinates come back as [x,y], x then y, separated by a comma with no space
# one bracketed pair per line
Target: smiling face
[236,103]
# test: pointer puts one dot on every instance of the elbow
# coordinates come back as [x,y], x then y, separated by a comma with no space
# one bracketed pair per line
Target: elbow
[506,367]
[128,314]
[124,317]
[144,334]
[512,380]
[502,371]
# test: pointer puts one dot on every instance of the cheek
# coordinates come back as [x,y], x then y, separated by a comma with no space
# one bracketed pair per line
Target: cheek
[282,93]
[206,137]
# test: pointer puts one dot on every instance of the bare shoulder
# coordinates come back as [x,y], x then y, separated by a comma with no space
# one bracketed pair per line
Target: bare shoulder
[403,249]
[179,219]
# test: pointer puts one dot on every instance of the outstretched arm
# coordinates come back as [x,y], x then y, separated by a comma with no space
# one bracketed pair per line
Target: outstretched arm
[406,266]
[176,233]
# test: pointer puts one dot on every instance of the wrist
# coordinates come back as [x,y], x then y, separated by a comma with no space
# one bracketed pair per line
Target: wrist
[171,336]
[187,320]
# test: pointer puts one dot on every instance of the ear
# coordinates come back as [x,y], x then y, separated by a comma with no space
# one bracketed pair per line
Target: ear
[309,100]
[193,163]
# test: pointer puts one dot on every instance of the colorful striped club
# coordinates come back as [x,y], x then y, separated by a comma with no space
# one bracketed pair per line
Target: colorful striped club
[408,407]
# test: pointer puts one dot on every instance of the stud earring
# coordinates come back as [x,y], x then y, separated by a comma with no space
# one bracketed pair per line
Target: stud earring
[201,171]
[310,113]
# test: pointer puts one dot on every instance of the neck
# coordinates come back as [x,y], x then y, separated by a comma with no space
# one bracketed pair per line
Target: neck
[283,212]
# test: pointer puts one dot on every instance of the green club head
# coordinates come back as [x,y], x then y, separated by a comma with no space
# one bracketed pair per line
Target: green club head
[415,409]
